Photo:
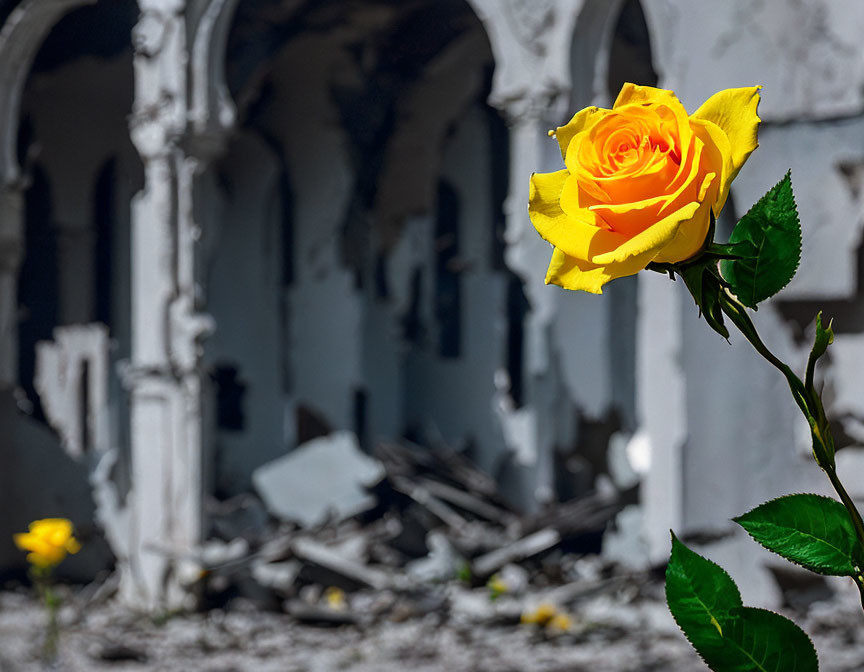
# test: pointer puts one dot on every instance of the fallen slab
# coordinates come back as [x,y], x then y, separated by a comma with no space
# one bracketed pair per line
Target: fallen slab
[324,556]
[324,480]
[518,550]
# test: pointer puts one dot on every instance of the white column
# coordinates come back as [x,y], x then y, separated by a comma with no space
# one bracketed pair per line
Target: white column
[169,422]
[661,410]
[165,515]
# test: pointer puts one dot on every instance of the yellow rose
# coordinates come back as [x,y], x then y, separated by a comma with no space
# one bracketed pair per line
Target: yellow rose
[640,182]
[48,542]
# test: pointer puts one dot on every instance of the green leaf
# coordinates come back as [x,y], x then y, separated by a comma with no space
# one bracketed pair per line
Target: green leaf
[706,604]
[767,642]
[744,249]
[810,530]
[773,228]
[700,596]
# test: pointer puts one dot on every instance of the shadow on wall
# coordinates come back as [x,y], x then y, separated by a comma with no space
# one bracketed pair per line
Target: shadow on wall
[39,480]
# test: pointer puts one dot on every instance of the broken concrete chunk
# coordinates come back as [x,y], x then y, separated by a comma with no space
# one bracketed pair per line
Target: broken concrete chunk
[518,550]
[216,553]
[279,576]
[323,480]
[441,564]
[514,578]
[329,558]
[72,381]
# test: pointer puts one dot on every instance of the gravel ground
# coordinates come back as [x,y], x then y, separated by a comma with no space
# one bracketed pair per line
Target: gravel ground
[611,633]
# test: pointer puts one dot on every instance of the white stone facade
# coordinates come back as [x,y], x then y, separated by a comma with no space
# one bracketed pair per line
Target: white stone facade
[314,215]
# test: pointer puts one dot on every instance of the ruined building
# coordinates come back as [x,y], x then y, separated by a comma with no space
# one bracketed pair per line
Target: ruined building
[229,227]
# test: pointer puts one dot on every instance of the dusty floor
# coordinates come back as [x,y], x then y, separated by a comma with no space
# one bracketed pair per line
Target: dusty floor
[611,632]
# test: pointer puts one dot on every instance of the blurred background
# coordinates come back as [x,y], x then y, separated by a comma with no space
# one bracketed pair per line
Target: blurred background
[268,289]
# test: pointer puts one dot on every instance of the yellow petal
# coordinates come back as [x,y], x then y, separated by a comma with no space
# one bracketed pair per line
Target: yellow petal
[634,94]
[578,274]
[632,218]
[718,151]
[735,112]
[575,237]
[581,120]
[690,236]
[643,247]
[575,274]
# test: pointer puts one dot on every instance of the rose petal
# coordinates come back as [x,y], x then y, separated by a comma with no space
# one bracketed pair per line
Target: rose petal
[718,152]
[647,245]
[735,112]
[635,94]
[576,274]
[632,218]
[580,121]
[691,235]
[575,237]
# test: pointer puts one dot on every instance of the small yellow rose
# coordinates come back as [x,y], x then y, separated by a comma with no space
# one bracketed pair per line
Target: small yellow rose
[335,598]
[541,615]
[560,622]
[48,542]
[640,182]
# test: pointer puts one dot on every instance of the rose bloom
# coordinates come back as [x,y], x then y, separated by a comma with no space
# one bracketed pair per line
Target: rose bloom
[48,542]
[640,182]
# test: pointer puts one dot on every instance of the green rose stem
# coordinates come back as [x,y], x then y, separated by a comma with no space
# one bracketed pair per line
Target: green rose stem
[809,402]
[42,579]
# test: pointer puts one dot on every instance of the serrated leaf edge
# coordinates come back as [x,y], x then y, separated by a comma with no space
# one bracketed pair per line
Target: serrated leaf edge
[811,568]
[800,239]
[789,620]
[714,620]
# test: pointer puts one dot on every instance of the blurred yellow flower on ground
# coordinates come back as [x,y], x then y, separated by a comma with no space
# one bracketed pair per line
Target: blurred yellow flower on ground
[497,586]
[560,622]
[48,542]
[541,615]
[335,598]
[548,616]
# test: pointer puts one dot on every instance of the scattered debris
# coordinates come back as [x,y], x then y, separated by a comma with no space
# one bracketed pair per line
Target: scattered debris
[354,539]
[442,563]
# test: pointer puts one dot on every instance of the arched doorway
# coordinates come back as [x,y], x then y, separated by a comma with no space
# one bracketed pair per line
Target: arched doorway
[363,211]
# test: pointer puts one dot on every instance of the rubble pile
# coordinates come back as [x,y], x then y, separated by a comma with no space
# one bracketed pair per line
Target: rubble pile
[341,537]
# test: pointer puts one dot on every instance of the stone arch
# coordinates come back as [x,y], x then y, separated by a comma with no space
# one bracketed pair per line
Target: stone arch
[87,159]
[211,109]
[21,37]
[631,54]
[611,44]
[590,51]
[22,34]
